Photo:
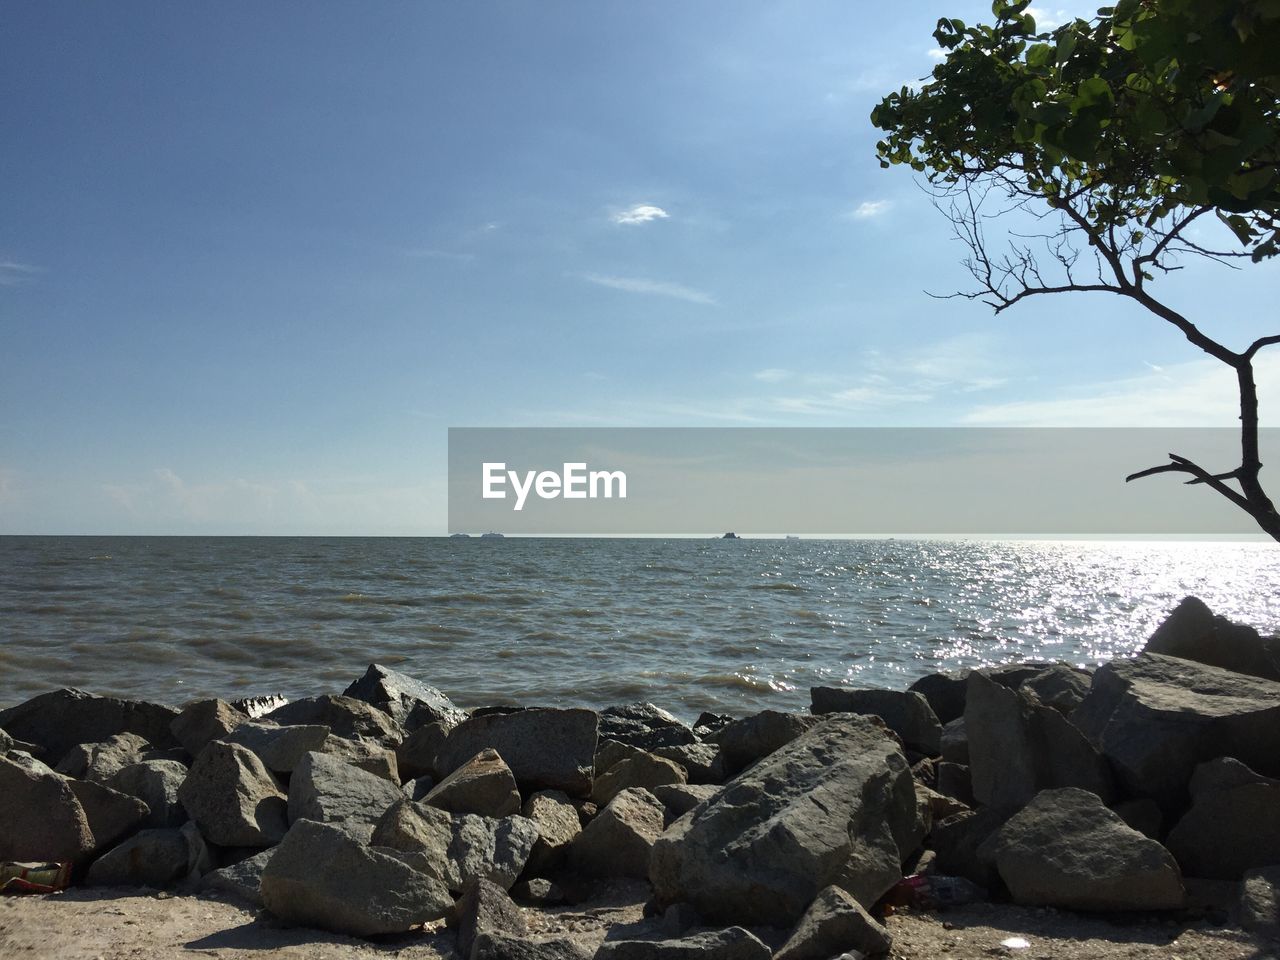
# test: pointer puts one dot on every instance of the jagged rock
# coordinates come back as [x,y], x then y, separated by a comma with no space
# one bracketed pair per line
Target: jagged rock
[935,807]
[40,817]
[1156,717]
[327,790]
[155,783]
[954,780]
[112,815]
[1192,632]
[558,825]
[955,742]
[905,712]
[680,798]
[546,749]
[945,693]
[834,924]
[483,785]
[100,761]
[1059,686]
[1012,675]
[678,919]
[242,879]
[281,749]
[745,741]
[708,725]
[456,848]
[960,842]
[416,754]
[499,946]
[152,858]
[203,721]
[1259,906]
[60,720]
[409,702]
[642,770]
[610,753]
[835,806]
[417,789]
[1066,849]
[617,842]
[367,755]
[321,877]
[1018,747]
[644,726]
[233,798]
[256,707]
[485,907]
[538,891]
[345,717]
[734,943]
[701,760]
[1233,824]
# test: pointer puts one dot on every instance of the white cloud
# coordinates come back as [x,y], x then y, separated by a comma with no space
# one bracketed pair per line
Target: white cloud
[13,274]
[871,208]
[1048,19]
[640,213]
[937,53]
[660,288]
[772,375]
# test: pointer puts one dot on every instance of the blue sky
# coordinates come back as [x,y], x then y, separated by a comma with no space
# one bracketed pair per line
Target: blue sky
[255,259]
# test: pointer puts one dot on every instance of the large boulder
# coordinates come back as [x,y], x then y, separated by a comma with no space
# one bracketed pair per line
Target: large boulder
[242,879]
[546,749]
[680,798]
[100,761]
[1233,824]
[834,806]
[368,755]
[1192,632]
[745,741]
[409,702]
[558,824]
[485,907]
[644,726]
[281,749]
[1017,747]
[152,858]
[40,817]
[905,712]
[734,943]
[156,783]
[618,840]
[416,754]
[945,693]
[60,720]
[1156,717]
[641,770]
[1066,849]
[327,790]
[483,785]
[112,815]
[321,877]
[205,720]
[1060,686]
[835,924]
[700,760]
[345,717]
[1259,906]
[233,798]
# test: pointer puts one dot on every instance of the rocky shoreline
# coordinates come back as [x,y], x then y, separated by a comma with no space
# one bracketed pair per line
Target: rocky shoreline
[1142,789]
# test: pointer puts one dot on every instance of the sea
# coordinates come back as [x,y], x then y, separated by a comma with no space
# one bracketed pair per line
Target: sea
[691,625]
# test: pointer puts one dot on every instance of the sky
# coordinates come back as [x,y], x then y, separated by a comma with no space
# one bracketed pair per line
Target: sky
[256,259]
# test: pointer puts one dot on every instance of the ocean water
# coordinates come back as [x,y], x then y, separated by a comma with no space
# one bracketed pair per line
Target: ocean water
[689,624]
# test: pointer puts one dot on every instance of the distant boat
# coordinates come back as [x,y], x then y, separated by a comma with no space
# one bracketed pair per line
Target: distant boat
[792,536]
[454,536]
[491,534]
[731,536]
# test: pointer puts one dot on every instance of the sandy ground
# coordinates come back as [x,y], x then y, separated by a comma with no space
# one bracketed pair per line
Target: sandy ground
[115,925]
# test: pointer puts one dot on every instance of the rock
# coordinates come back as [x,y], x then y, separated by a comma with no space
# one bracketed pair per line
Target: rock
[99,761]
[546,749]
[243,879]
[203,721]
[281,749]
[499,946]
[345,717]
[327,790]
[153,858]
[416,754]
[1018,748]
[558,825]
[934,806]
[745,741]
[60,720]
[1192,632]
[1012,675]
[417,789]
[618,841]
[945,693]
[1065,849]
[457,848]
[610,753]
[961,844]
[483,785]
[642,770]
[1143,815]
[485,908]
[233,798]
[734,943]
[834,924]
[955,742]
[409,702]
[538,891]
[701,760]
[1259,907]
[112,815]
[953,780]
[644,726]
[835,806]
[256,707]
[708,725]
[367,755]
[680,798]
[1059,686]
[321,877]
[905,712]
[1233,824]
[1156,717]
[40,817]
[678,919]
[155,783]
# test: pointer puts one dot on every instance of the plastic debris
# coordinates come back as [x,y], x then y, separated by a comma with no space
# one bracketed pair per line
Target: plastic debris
[933,892]
[1015,943]
[34,877]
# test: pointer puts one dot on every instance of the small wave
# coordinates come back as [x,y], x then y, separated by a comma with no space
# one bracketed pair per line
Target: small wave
[781,586]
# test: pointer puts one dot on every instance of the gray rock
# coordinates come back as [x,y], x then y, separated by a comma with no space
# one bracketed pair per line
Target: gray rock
[954,780]
[641,770]
[610,753]
[1233,824]
[1192,632]
[233,798]
[242,879]
[256,707]
[409,702]
[112,815]
[618,841]
[558,824]
[750,739]
[1065,849]
[1018,748]
[60,720]
[281,749]
[367,755]
[416,754]
[835,806]
[321,877]
[485,907]
[734,943]
[499,946]
[644,726]
[1143,814]
[539,892]
[835,923]
[155,783]
[483,785]
[701,760]
[1156,717]
[100,761]
[203,721]
[546,749]
[961,843]
[40,817]
[345,717]
[680,798]
[417,789]
[1059,686]
[905,712]
[1259,906]
[678,919]
[152,858]
[327,790]
[945,693]
[955,742]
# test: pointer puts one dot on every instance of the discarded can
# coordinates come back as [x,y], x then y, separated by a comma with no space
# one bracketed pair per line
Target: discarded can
[34,877]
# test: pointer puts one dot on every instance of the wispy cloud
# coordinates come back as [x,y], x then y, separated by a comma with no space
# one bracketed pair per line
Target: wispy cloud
[871,208]
[640,213]
[1048,19]
[937,53]
[658,288]
[13,273]
[772,375]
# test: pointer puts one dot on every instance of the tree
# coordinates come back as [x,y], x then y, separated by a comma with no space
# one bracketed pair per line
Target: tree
[1115,137]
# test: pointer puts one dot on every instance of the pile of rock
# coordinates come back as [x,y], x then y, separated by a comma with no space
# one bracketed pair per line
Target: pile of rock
[776,834]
